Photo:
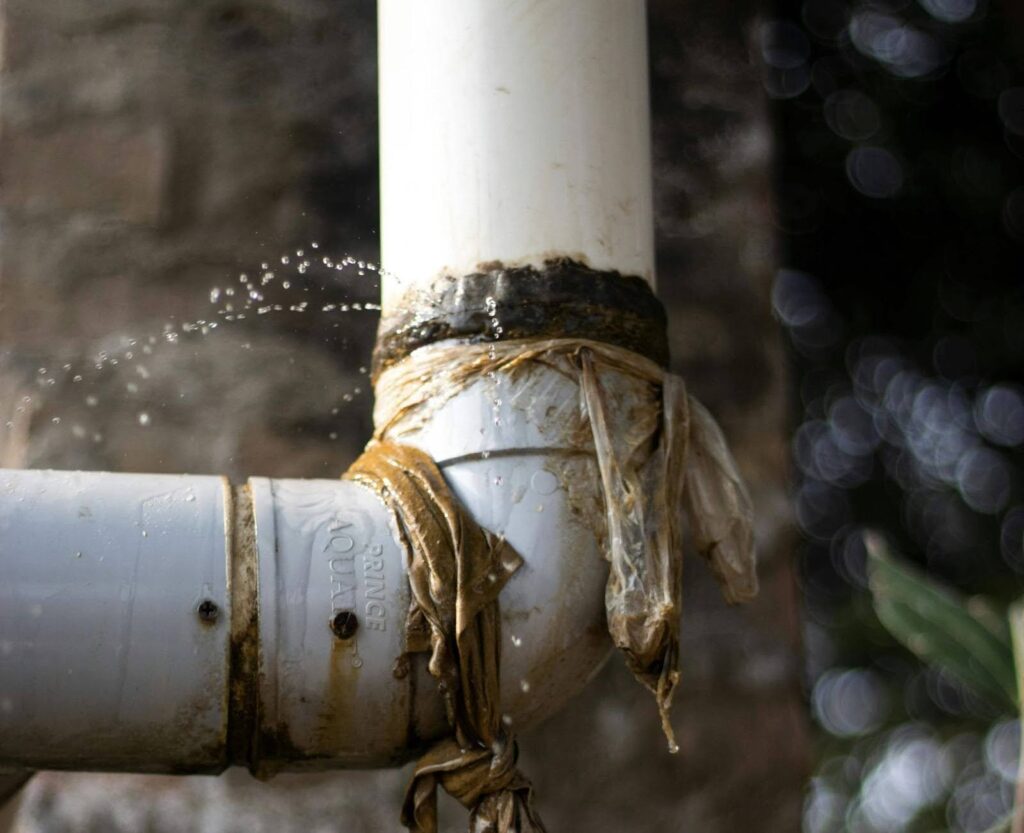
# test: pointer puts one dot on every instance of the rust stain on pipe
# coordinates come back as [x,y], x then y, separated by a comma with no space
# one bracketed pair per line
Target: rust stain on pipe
[243,741]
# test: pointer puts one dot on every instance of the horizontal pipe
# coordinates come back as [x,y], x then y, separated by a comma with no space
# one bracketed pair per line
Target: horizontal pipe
[113,621]
[157,623]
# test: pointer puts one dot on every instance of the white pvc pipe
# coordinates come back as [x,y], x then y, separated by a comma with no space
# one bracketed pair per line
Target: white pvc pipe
[513,131]
[106,661]
[327,546]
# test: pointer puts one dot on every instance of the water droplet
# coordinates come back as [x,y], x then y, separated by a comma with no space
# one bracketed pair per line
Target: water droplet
[143,418]
[525,686]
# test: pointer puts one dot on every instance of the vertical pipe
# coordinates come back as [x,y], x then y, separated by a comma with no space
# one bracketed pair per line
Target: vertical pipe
[513,131]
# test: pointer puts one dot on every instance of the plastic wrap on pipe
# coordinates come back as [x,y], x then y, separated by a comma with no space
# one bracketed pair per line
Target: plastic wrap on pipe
[664,456]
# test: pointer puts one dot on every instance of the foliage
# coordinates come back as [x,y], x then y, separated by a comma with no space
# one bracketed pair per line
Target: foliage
[967,637]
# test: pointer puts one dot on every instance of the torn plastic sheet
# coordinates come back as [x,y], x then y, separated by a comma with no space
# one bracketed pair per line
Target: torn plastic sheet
[667,461]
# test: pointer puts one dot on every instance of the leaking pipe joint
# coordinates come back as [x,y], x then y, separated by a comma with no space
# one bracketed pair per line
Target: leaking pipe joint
[173,624]
[159,623]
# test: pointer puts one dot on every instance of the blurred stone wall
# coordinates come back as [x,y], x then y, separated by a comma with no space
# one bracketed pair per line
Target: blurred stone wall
[151,150]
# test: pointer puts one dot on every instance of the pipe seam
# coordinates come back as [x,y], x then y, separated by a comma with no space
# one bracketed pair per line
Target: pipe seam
[244,661]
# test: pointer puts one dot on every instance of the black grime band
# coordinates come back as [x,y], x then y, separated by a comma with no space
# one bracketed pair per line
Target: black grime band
[563,299]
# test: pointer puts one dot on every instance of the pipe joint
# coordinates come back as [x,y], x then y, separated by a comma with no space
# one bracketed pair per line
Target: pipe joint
[178,624]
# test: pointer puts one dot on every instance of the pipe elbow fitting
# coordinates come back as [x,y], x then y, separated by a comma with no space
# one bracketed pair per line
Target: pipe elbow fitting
[329,555]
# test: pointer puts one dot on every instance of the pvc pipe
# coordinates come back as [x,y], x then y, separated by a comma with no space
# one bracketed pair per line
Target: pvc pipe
[512,131]
[531,141]
[107,661]
[327,546]
[113,621]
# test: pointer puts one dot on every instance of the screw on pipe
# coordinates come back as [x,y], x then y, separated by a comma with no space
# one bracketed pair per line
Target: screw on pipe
[344,624]
[207,612]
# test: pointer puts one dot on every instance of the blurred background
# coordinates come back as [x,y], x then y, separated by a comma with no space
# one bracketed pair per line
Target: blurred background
[900,205]
[840,221]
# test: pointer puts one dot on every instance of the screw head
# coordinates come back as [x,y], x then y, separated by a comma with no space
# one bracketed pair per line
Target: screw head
[344,624]
[208,611]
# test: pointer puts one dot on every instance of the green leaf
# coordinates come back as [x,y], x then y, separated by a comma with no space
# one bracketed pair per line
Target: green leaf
[942,627]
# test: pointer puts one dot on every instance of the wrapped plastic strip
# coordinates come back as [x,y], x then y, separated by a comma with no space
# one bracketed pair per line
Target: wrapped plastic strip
[456,571]
[667,461]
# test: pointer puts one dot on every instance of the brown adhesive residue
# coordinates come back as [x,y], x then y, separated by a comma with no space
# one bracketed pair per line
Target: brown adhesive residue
[334,720]
[244,651]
